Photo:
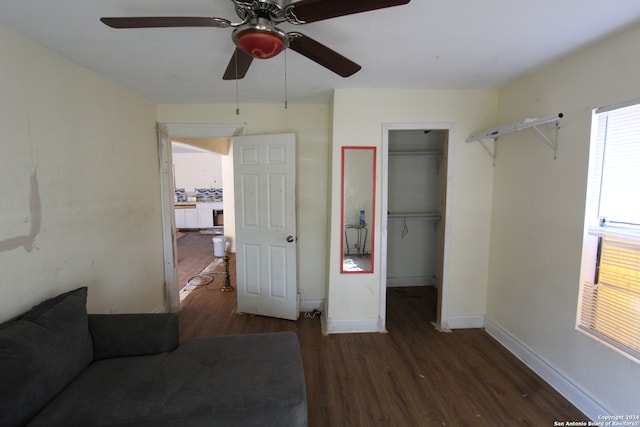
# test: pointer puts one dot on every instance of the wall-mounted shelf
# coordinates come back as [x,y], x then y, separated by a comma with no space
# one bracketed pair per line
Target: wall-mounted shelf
[523,124]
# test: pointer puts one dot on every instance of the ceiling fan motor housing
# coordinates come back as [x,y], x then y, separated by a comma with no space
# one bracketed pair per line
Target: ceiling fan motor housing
[267,8]
[260,39]
[274,7]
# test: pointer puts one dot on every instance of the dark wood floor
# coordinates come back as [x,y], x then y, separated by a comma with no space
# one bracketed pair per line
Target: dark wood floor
[195,252]
[411,376]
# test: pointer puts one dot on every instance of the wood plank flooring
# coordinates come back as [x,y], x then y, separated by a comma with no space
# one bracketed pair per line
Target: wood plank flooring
[195,252]
[410,376]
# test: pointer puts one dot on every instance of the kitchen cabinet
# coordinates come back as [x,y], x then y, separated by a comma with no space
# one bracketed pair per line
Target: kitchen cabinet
[191,218]
[186,216]
[205,215]
[181,222]
[197,215]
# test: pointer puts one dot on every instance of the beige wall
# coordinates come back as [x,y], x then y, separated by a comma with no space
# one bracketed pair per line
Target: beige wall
[358,119]
[197,170]
[310,123]
[538,213]
[92,148]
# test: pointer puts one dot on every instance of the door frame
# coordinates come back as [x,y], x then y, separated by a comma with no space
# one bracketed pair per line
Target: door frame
[442,311]
[165,132]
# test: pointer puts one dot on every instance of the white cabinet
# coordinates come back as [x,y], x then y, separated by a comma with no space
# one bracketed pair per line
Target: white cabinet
[181,222]
[197,215]
[191,218]
[186,216]
[205,215]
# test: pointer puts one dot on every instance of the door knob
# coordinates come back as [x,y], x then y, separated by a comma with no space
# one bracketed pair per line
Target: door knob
[290,239]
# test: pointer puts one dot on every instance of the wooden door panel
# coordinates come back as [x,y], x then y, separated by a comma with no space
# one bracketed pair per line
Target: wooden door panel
[264,170]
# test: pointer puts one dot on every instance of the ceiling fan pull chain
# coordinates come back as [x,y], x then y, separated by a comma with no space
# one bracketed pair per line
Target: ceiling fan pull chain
[237,98]
[286,95]
[237,102]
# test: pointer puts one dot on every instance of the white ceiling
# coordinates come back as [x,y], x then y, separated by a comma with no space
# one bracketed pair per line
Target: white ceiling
[437,44]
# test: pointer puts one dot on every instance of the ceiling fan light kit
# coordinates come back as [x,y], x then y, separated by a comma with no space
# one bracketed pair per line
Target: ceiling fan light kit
[260,39]
[257,35]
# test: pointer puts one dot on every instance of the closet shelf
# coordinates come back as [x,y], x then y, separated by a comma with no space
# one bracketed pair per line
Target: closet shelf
[434,216]
[426,153]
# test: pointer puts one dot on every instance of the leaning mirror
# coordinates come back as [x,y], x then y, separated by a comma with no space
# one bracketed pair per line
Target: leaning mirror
[358,209]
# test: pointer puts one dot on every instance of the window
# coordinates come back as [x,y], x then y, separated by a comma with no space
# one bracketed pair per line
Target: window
[609,306]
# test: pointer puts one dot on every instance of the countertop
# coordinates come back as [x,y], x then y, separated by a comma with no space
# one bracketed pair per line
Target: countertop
[184,205]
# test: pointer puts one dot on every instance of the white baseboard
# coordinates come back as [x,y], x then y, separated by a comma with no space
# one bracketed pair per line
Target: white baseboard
[465,322]
[311,304]
[332,326]
[160,309]
[581,400]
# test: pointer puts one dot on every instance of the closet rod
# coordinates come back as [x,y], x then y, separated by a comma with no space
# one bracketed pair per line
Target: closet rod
[422,215]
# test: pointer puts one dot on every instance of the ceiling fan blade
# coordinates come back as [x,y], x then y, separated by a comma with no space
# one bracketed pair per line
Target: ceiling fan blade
[321,54]
[317,10]
[238,65]
[165,21]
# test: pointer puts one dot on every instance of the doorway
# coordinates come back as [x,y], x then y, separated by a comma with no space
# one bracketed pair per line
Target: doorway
[201,136]
[280,153]
[199,207]
[415,181]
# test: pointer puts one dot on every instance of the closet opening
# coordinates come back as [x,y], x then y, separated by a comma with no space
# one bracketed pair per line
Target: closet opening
[415,179]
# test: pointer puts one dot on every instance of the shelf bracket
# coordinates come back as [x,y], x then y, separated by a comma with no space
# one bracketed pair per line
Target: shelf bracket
[491,152]
[553,144]
[517,126]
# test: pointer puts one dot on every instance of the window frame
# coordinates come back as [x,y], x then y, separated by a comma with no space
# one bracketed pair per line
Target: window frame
[596,231]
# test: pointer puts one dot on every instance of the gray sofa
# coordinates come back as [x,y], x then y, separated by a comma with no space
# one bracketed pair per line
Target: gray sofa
[62,367]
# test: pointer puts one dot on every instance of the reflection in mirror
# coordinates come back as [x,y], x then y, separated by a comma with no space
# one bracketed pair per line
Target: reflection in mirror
[358,209]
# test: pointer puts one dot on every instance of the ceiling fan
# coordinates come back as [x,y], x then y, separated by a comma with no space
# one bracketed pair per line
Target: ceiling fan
[257,36]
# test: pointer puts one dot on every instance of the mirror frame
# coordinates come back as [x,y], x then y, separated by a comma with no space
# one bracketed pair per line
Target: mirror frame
[371,231]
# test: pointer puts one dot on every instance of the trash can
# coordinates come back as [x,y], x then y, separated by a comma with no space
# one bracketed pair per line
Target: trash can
[219,244]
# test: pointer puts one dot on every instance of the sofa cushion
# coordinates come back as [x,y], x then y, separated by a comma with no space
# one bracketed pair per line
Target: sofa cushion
[40,353]
[121,335]
[241,380]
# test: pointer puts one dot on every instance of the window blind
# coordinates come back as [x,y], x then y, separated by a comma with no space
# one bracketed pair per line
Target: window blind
[618,169]
[610,308]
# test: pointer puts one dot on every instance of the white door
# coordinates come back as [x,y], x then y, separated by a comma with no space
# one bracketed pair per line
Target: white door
[264,181]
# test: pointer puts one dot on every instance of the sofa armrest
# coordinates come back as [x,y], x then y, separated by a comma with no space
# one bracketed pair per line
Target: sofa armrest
[120,335]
